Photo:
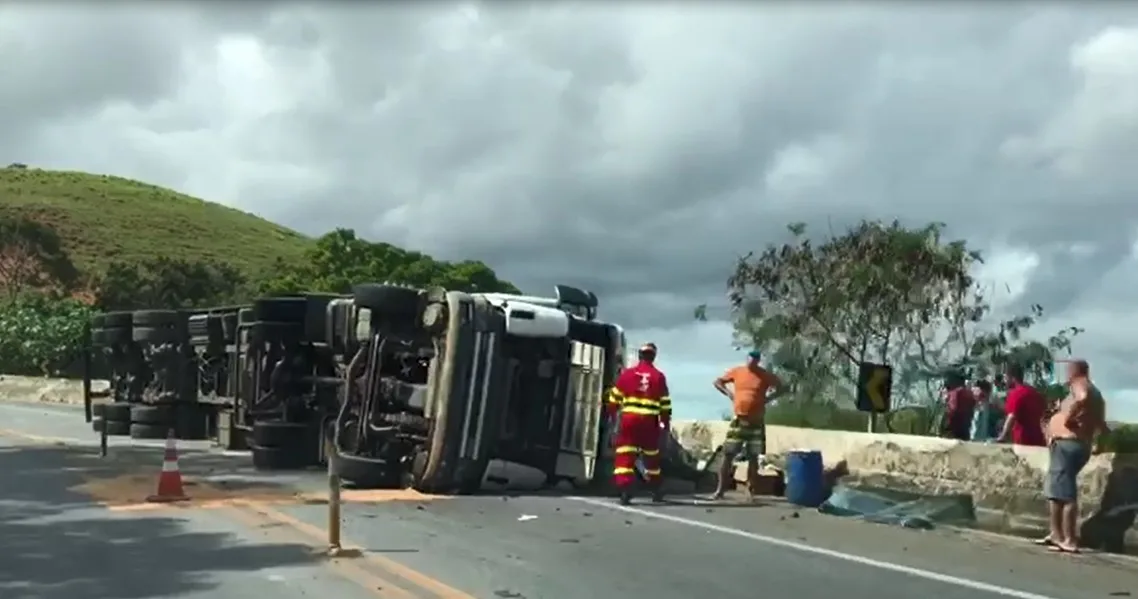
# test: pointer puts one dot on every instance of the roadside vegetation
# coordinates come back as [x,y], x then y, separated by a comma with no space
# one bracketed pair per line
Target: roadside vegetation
[72,244]
[817,305]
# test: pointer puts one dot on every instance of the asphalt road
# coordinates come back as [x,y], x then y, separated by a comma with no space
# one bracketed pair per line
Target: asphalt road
[72,526]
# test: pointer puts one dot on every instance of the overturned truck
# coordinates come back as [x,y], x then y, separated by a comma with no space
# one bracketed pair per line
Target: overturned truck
[443,391]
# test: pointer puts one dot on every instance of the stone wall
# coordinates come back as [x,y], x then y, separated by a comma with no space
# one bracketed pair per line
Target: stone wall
[1003,480]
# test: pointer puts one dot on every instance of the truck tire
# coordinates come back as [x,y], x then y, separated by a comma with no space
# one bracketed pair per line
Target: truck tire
[316,316]
[116,428]
[156,415]
[116,412]
[156,335]
[111,320]
[274,433]
[388,300]
[262,332]
[115,336]
[148,431]
[277,458]
[157,318]
[280,309]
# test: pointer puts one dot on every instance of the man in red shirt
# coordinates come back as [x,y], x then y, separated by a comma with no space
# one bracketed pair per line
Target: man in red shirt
[1025,408]
[960,405]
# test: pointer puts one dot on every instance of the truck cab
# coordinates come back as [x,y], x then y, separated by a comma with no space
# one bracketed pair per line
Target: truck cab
[446,391]
[526,396]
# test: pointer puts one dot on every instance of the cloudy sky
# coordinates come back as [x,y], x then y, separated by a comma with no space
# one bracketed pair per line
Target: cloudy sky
[631,149]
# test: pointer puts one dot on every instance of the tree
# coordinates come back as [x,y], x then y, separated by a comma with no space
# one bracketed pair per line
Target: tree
[169,283]
[879,292]
[32,257]
[340,260]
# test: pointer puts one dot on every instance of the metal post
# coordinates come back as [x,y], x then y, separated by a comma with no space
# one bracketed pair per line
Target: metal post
[87,349]
[872,422]
[333,508]
[103,439]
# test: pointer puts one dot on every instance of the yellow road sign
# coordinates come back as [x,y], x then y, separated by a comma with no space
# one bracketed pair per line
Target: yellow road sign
[875,387]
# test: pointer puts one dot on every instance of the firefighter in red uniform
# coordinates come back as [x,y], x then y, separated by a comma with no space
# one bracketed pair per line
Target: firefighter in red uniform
[640,402]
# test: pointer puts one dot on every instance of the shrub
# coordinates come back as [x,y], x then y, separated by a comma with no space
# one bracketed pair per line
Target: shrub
[40,334]
[1122,439]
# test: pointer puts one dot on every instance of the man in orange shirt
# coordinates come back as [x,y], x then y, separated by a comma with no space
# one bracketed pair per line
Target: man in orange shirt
[751,389]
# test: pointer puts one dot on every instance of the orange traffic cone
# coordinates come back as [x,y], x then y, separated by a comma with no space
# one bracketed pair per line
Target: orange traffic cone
[170,481]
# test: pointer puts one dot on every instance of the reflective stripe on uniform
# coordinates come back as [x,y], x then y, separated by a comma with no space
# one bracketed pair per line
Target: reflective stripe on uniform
[666,405]
[619,471]
[628,449]
[643,406]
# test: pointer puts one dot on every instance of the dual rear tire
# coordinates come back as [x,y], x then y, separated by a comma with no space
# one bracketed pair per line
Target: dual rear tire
[279,445]
[138,421]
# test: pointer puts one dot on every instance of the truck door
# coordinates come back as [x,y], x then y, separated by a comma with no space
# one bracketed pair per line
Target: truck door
[584,407]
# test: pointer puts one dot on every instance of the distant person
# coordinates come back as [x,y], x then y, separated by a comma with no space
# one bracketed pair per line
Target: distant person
[1073,433]
[1024,409]
[985,426]
[960,405]
[752,386]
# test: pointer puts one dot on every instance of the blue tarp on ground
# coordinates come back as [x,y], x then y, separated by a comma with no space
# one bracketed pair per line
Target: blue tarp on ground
[910,510]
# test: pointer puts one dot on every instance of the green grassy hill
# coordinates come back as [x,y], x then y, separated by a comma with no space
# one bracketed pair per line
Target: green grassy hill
[101,218]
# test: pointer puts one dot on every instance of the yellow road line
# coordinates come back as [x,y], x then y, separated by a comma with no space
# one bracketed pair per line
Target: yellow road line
[370,581]
[7,432]
[437,587]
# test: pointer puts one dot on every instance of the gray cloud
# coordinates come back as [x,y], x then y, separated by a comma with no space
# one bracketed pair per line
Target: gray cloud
[635,149]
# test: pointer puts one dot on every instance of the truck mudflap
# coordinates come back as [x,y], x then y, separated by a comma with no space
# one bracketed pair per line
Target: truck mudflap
[468,400]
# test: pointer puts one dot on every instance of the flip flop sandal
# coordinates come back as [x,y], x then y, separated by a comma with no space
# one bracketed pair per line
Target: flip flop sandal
[1062,549]
[1044,542]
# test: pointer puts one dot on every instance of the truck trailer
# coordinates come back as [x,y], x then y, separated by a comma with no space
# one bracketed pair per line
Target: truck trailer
[439,390]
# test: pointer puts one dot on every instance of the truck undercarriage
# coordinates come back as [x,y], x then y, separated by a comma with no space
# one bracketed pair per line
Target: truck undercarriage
[431,389]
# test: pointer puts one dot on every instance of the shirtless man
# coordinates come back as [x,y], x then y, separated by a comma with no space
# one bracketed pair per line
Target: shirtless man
[1072,434]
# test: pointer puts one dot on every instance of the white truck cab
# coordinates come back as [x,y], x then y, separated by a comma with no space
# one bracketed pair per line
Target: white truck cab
[512,393]
[560,361]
